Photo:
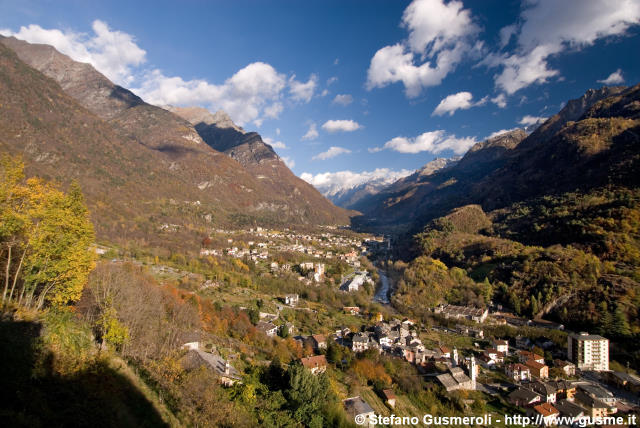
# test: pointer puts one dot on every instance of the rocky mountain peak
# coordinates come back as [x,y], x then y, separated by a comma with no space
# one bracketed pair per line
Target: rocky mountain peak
[437,164]
[572,111]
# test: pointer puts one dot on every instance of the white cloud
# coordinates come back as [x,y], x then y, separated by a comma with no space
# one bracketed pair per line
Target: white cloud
[277,131]
[331,153]
[531,120]
[459,101]
[506,33]
[433,142]
[550,27]
[343,99]
[332,126]
[330,183]
[614,78]
[290,163]
[440,35]
[114,53]
[274,144]
[274,110]
[312,133]
[500,100]
[251,94]
[302,91]
[331,80]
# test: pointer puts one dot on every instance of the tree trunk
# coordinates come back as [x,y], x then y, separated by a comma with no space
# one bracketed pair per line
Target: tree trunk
[6,278]
[15,276]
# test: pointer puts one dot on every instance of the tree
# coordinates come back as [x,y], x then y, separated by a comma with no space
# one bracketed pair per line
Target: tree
[307,395]
[47,238]
[620,325]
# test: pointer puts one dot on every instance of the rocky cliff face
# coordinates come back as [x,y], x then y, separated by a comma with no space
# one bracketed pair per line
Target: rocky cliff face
[257,157]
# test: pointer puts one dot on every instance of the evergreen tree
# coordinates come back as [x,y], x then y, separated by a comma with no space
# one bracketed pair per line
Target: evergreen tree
[620,326]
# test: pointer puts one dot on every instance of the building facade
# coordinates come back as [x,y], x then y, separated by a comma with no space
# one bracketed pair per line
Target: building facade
[588,351]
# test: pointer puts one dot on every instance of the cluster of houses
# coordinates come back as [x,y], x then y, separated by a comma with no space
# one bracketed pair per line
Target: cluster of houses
[325,245]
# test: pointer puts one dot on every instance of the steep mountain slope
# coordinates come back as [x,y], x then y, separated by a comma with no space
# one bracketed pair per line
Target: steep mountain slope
[160,187]
[420,197]
[162,144]
[601,148]
[592,142]
[259,158]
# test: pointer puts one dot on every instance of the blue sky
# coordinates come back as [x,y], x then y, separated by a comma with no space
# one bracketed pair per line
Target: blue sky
[365,88]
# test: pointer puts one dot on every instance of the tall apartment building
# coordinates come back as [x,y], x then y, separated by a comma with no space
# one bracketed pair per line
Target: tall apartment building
[588,351]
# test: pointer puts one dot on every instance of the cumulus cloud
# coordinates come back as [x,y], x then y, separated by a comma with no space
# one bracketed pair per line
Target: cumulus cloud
[614,78]
[114,53]
[440,35]
[550,27]
[531,120]
[343,99]
[331,153]
[312,133]
[433,142]
[330,183]
[332,126]
[459,101]
[500,100]
[303,91]
[275,144]
[251,94]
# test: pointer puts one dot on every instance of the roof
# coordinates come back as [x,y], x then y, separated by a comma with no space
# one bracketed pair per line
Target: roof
[543,388]
[627,377]
[389,394]
[314,362]
[356,406]
[319,338]
[568,408]
[500,342]
[360,338]
[546,409]
[518,367]
[589,401]
[585,336]
[534,365]
[444,350]
[524,394]
[447,380]
[530,355]
[595,391]
[265,326]
[217,363]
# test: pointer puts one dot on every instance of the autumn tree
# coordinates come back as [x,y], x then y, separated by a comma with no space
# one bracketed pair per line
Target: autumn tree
[45,238]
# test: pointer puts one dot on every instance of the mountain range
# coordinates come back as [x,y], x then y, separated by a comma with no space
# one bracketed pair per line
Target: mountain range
[148,173]
[592,142]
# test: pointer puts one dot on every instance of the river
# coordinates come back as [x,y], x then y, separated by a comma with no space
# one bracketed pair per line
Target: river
[382,293]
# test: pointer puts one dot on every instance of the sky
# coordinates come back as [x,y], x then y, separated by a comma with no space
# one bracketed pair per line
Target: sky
[349,90]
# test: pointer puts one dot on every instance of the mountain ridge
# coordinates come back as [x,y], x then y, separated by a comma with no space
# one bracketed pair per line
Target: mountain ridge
[156,160]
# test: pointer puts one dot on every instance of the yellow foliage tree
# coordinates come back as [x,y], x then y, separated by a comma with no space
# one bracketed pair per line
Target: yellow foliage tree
[46,239]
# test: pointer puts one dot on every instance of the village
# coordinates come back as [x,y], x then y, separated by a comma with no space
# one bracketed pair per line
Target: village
[536,377]
[458,350]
